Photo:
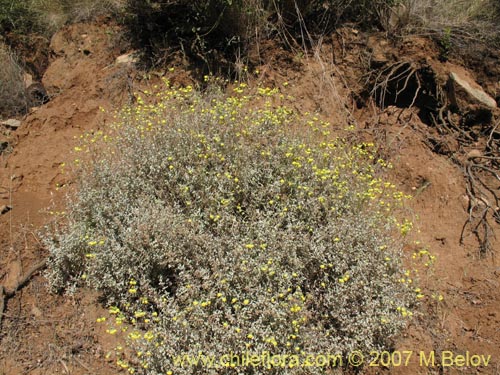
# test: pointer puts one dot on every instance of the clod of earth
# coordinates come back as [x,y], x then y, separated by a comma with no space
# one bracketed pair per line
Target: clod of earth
[3,146]
[37,94]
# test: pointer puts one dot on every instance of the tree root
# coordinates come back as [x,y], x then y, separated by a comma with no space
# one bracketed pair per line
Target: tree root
[395,73]
[483,199]
[6,294]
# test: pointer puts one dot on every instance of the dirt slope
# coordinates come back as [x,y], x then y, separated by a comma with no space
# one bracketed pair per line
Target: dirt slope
[43,333]
[47,334]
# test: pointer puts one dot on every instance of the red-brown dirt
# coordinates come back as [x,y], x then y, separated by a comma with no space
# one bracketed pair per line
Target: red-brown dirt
[49,334]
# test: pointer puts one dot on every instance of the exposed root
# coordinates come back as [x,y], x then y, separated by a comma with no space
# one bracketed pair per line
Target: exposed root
[405,85]
[394,74]
[484,200]
[6,294]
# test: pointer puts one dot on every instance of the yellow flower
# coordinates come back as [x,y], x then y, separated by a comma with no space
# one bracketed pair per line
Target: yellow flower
[114,310]
[135,335]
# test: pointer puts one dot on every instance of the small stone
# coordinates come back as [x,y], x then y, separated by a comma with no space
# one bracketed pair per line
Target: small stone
[127,59]
[4,209]
[28,79]
[11,123]
[474,154]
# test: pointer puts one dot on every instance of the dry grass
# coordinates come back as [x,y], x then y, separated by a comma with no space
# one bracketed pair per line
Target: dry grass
[455,22]
[55,13]
[13,98]
[45,17]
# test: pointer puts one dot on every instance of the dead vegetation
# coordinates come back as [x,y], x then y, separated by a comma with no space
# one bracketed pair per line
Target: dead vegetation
[455,24]
[6,294]
[13,98]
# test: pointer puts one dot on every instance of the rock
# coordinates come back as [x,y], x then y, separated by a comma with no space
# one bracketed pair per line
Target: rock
[472,154]
[28,79]
[127,59]
[11,123]
[4,209]
[462,87]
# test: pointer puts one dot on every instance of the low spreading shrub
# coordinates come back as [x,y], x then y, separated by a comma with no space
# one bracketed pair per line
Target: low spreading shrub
[216,224]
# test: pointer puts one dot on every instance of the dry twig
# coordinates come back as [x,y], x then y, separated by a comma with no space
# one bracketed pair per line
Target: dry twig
[6,294]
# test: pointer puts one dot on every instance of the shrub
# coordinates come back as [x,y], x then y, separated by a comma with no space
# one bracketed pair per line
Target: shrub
[13,15]
[13,99]
[220,225]
[205,30]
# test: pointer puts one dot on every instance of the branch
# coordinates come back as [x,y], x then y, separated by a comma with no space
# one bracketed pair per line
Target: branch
[6,294]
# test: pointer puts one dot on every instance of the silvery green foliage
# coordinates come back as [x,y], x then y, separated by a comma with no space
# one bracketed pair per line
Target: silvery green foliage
[240,234]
